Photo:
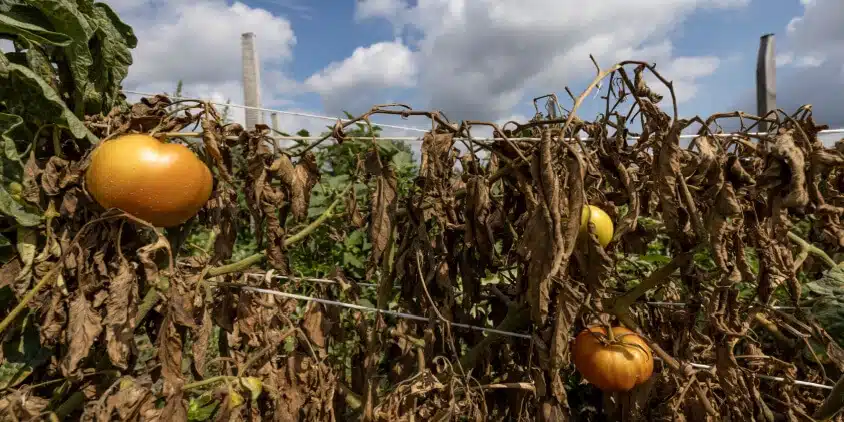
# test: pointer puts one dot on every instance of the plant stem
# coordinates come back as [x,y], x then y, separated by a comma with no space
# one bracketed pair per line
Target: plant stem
[812,249]
[669,361]
[623,303]
[47,278]
[517,317]
[153,295]
[610,334]
[301,235]
[150,300]
[208,381]
[75,401]
[833,402]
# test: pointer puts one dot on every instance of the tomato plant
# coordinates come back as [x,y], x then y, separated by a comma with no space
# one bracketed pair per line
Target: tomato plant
[164,184]
[613,364]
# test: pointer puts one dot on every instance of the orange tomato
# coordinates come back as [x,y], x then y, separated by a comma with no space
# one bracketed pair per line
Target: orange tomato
[613,367]
[164,184]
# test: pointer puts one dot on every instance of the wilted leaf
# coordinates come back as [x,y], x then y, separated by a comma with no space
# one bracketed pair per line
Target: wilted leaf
[121,308]
[34,33]
[199,348]
[29,96]
[67,19]
[84,327]
[9,206]
[382,215]
[202,408]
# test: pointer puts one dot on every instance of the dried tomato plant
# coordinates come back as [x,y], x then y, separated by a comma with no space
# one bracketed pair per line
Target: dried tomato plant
[108,318]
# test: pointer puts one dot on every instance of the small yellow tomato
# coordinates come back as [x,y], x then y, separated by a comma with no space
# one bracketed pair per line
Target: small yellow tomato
[603,224]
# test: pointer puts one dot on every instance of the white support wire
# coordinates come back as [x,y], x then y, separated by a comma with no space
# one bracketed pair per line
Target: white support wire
[396,314]
[269,110]
[405,315]
[413,129]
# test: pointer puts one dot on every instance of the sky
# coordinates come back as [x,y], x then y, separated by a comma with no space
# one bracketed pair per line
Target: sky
[483,59]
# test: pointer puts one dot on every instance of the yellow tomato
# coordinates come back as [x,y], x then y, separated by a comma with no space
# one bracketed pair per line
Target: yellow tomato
[603,223]
[164,184]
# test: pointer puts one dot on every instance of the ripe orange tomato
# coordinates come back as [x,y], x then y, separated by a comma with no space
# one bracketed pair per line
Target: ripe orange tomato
[601,220]
[164,184]
[613,367]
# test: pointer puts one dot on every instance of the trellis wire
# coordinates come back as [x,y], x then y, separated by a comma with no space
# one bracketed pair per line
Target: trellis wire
[405,315]
[529,139]
[269,110]
[373,285]
[416,129]
[397,314]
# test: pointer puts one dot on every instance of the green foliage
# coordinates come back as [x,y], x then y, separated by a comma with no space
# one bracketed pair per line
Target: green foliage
[327,249]
[826,298]
[69,61]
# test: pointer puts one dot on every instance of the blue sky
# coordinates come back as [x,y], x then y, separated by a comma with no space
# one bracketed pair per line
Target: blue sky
[732,35]
[480,59]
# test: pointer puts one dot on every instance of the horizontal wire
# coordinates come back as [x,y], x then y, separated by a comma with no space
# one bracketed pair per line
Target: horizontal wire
[768,377]
[397,314]
[683,304]
[520,139]
[414,317]
[415,129]
[316,280]
[291,113]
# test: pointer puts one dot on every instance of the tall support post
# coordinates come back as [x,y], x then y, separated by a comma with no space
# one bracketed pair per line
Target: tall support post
[766,79]
[251,80]
[274,121]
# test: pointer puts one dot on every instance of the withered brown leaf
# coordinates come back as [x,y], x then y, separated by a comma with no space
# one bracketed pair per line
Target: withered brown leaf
[121,309]
[84,326]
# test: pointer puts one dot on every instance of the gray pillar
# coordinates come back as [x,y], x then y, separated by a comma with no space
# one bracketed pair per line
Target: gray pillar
[766,78]
[274,121]
[251,80]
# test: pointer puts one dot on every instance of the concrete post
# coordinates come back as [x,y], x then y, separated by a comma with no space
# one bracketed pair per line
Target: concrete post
[766,79]
[251,80]
[274,121]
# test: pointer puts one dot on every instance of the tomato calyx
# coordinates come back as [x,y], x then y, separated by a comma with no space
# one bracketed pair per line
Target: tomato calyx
[611,339]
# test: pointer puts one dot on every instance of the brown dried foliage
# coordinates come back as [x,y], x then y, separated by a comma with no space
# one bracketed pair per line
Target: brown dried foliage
[113,283]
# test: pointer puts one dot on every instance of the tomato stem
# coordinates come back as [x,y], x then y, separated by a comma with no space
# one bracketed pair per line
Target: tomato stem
[610,334]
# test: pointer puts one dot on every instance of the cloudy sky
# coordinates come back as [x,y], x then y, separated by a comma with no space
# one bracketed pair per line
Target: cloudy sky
[483,59]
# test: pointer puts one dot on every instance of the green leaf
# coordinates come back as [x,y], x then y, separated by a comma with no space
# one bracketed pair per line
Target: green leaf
[355,238]
[33,33]
[23,355]
[4,66]
[40,64]
[202,408]
[826,296]
[68,19]
[13,373]
[27,95]
[351,259]
[111,60]
[10,207]
[658,259]
[8,124]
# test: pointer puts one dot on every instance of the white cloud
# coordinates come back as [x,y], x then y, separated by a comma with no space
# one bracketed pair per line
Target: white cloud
[684,73]
[356,80]
[199,42]
[814,45]
[784,59]
[480,58]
